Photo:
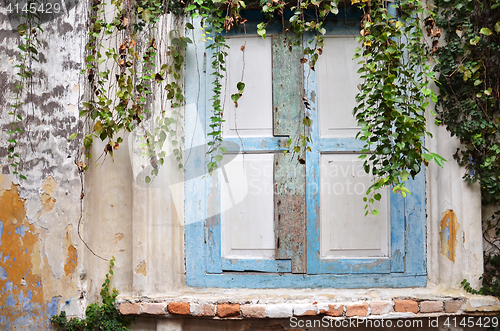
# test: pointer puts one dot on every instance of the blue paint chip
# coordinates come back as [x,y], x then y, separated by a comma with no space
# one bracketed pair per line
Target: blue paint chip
[5,258]
[3,274]
[21,230]
[11,301]
[1,232]
[53,306]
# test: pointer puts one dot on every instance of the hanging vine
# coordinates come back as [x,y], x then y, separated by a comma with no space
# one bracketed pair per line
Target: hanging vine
[29,46]
[394,95]
[122,77]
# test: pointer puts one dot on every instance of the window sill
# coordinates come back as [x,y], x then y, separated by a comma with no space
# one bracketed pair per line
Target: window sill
[371,303]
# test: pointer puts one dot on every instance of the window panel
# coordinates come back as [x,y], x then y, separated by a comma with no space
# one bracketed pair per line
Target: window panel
[337,87]
[252,117]
[248,225]
[345,230]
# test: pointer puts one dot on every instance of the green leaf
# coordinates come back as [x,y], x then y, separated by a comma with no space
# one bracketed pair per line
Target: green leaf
[148,179]
[375,212]
[72,136]
[486,31]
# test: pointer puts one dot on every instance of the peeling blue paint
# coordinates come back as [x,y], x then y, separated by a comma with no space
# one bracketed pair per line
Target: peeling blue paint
[53,305]
[1,232]
[3,274]
[6,258]
[22,230]
[8,287]
[11,301]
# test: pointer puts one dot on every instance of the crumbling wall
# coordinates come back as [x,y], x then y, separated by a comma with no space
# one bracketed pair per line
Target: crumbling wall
[40,253]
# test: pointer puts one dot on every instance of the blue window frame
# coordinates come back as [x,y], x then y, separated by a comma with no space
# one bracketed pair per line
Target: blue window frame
[404,264]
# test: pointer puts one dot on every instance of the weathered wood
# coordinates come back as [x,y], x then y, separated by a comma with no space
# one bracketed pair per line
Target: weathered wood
[287,86]
[289,175]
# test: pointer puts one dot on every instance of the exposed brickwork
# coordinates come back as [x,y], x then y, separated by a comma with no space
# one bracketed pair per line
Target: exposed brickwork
[333,310]
[453,306]
[357,309]
[286,309]
[380,308]
[253,311]
[228,310]
[431,306]
[406,306]
[154,308]
[203,310]
[128,308]
[179,308]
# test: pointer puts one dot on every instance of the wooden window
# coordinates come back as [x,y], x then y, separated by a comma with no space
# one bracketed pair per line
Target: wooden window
[265,220]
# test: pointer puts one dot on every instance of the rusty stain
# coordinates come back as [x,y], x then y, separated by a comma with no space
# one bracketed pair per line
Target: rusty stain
[448,234]
[119,236]
[141,269]
[71,261]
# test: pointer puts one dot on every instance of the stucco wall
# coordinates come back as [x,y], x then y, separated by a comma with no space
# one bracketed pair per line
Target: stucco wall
[40,253]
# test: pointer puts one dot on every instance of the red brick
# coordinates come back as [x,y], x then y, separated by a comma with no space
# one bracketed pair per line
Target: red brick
[154,308]
[431,306]
[179,308]
[453,306]
[228,310]
[379,308]
[332,311]
[357,309]
[203,310]
[128,308]
[406,306]
[253,311]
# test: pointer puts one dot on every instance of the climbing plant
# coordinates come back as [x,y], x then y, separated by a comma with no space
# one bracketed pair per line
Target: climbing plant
[29,45]
[394,94]
[122,77]
[469,107]
[469,104]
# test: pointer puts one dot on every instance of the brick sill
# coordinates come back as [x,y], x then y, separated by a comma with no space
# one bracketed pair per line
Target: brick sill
[279,303]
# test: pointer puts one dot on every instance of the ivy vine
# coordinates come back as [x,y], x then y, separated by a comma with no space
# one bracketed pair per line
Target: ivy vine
[29,47]
[469,107]
[394,95]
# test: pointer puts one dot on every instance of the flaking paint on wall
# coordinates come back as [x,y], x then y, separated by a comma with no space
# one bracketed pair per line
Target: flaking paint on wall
[29,292]
[141,269]
[448,234]
[22,305]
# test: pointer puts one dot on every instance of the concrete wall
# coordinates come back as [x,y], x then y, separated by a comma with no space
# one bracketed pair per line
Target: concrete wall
[45,267]
[40,253]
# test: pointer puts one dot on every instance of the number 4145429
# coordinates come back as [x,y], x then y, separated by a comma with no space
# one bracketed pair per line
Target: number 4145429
[469,321]
[41,8]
